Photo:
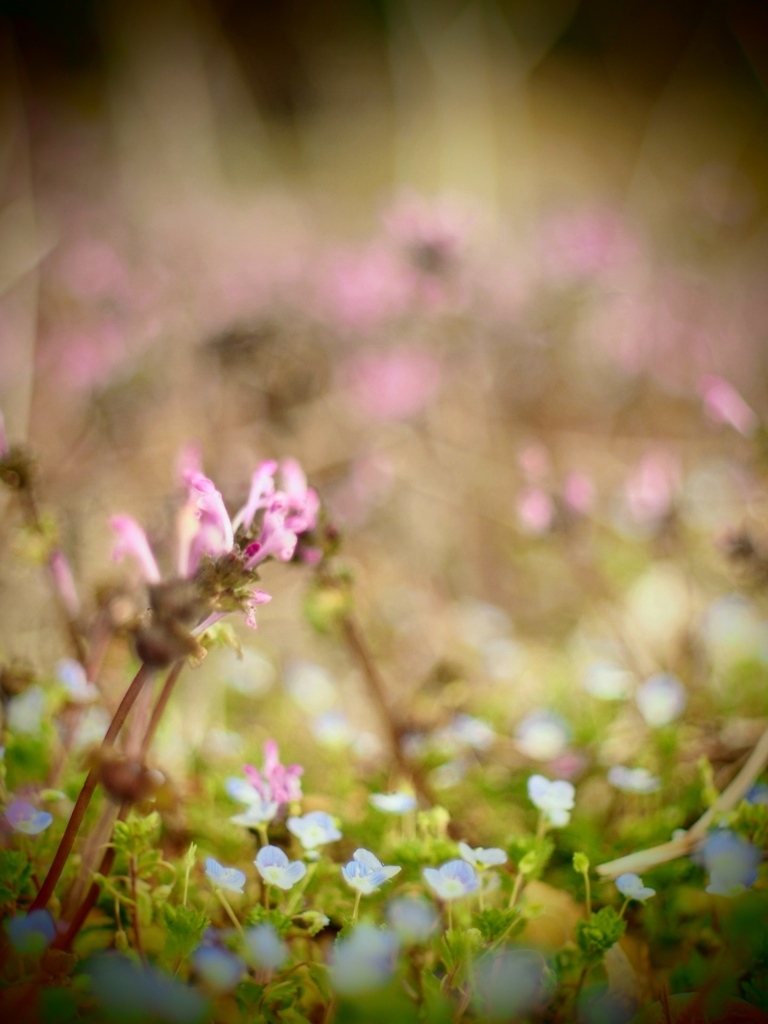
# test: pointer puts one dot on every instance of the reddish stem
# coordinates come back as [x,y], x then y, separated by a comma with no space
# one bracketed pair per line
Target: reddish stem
[84,798]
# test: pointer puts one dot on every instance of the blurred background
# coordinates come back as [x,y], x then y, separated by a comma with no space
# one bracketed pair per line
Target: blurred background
[472,263]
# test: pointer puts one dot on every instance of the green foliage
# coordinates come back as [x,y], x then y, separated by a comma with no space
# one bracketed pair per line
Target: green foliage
[185,927]
[495,923]
[599,933]
[581,863]
[531,854]
[260,915]
[751,822]
[15,874]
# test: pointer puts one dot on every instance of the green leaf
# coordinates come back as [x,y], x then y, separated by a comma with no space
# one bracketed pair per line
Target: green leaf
[279,921]
[531,855]
[15,871]
[493,923]
[185,930]
[600,932]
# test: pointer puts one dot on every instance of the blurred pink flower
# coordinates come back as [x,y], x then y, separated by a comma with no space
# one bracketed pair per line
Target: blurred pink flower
[535,511]
[132,541]
[302,500]
[579,492]
[585,243]
[652,486]
[275,782]
[433,232]
[533,459]
[65,582]
[392,385]
[724,404]
[366,287]
[262,489]
[92,270]
[276,538]
[204,525]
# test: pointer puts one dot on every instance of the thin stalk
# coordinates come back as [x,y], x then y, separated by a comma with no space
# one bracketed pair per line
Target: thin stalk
[86,793]
[516,890]
[160,706]
[377,691]
[230,912]
[356,909]
[449,907]
[136,922]
[588,896]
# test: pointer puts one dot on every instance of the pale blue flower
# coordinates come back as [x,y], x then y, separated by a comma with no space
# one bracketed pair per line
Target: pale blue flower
[241,790]
[364,961]
[275,868]
[393,803]
[633,780]
[266,947]
[25,711]
[365,872]
[257,813]
[631,886]
[230,879]
[554,799]
[412,919]
[509,983]
[542,735]
[453,880]
[314,829]
[24,818]
[72,677]
[757,795]
[134,992]
[481,858]
[31,933]
[661,699]
[219,969]
[332,729]
[606,680]
[731,862]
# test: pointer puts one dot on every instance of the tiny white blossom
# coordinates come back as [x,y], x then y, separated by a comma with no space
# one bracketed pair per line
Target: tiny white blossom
[230,879]
[314,829]
[453,880]
[554,799]
[632,887]
[393,803]
[275,868]
[481,858]
[661,699]
[365,872]
[255,814]
[633,780]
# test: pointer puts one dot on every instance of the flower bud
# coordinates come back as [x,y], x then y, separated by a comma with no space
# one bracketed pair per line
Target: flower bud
[128,781]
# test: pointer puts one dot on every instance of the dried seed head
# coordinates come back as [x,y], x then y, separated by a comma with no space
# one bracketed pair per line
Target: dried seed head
[126,780]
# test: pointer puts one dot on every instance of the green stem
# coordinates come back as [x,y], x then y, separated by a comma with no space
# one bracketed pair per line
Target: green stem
[230,911]
[516,890]
[588,894]
[450,916]
[358,894]
[295,899]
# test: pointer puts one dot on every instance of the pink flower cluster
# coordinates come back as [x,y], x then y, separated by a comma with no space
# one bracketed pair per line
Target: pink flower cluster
[204,526]
[275,782]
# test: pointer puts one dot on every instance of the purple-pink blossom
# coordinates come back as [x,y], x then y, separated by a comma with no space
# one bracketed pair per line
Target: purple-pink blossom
[275,782]
[132,541]
[724,404]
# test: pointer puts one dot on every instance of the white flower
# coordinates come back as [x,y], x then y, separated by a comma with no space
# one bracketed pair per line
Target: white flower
[453,880]
[72,677]
[218,968]
[224,878]
[365,872]
[554,799]
[732,863]
[255,814]
[266,947]
[482,858]
[393,803]
[632,887]
[413,920]
[633,780]
[542,735]
[275,868]
[608,681]
[661,699]
[363,961]
[241,790]
[25,711]
[314,829]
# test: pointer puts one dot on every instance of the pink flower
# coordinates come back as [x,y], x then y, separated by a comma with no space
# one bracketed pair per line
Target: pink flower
[369,286]
[257,597]
[275,782]
[132,540]
[262,489]
[534,461]
[579,492]
[275,539]
[392,385]
[724,404]
[205,526]
[651,488]
[302,500]
[65,583]
[535,511]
